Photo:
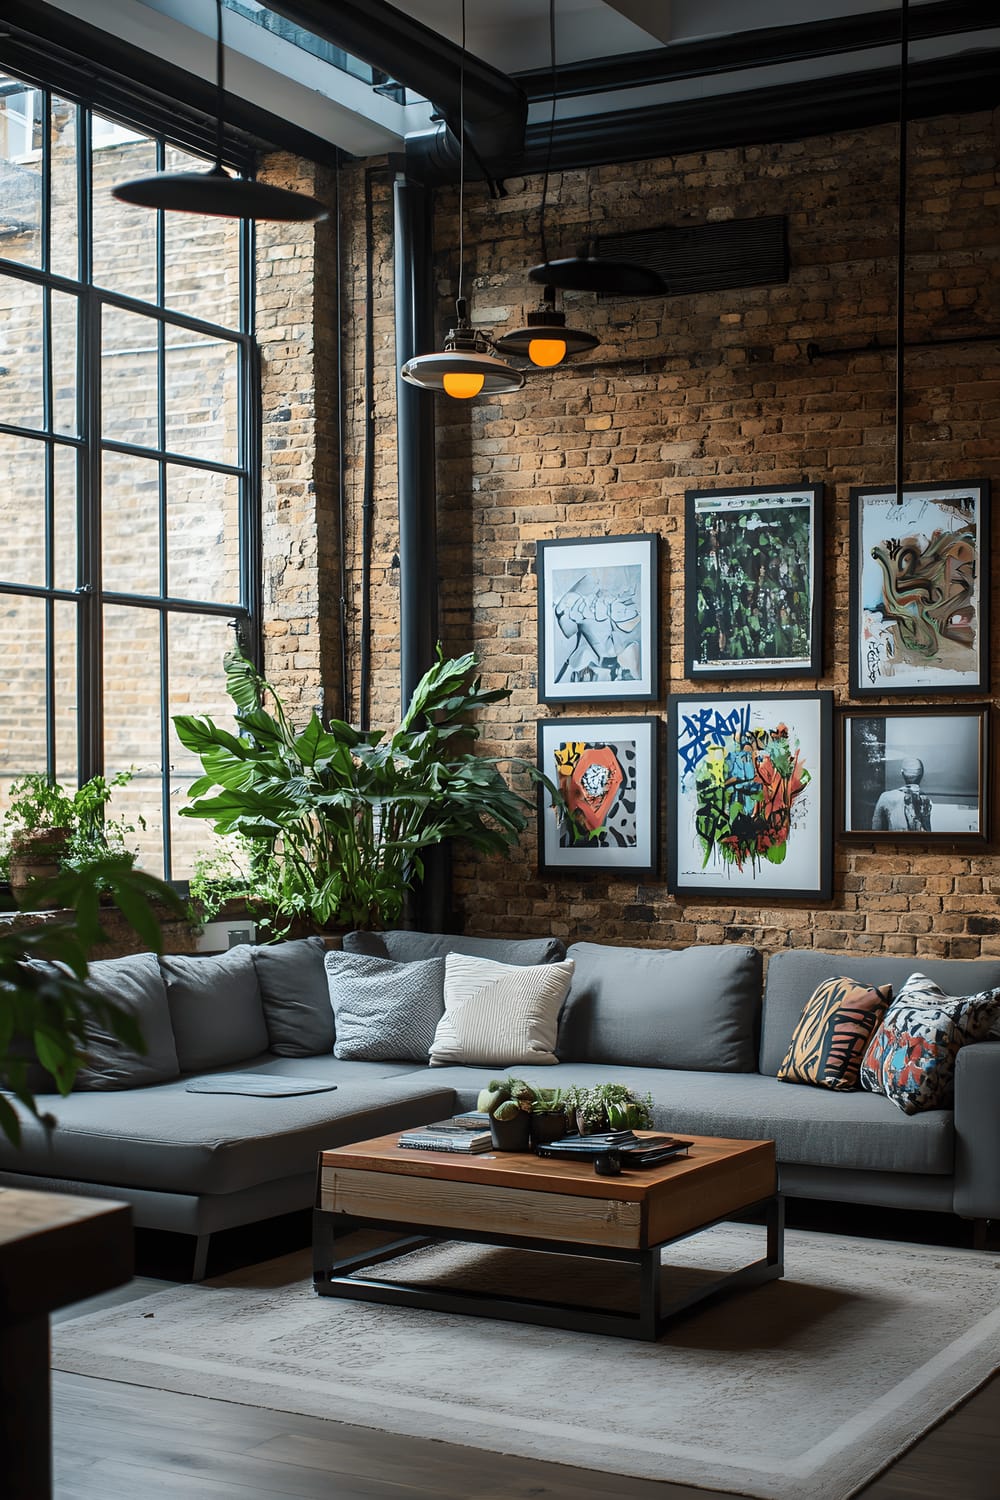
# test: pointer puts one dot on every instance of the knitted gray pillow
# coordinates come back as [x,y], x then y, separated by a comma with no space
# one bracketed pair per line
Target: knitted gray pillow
[384,1011]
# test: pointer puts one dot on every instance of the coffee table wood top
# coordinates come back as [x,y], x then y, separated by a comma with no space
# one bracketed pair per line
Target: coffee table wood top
[547,1197]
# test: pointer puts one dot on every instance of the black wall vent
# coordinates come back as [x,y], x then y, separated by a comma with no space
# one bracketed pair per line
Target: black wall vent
[706,257]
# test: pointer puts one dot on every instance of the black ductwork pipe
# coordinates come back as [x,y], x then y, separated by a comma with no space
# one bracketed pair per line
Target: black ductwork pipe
[496,108]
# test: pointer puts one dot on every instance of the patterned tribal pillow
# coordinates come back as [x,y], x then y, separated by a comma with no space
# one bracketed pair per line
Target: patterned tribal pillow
[911,1058]
[500,1013]
[830,1038]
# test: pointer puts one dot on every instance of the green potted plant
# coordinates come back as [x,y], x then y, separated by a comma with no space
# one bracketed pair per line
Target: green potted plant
[551,1117]
[509,1102]
[610,1106]
[331,821]
[47,829]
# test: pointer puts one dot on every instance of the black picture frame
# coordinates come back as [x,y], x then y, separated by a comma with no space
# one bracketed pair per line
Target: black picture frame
[626,811]
[585,654]
[919,580]
[749,795]
[915,774]
[753,583]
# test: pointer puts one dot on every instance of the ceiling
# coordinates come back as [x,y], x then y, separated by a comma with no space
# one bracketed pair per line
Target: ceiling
[632,77]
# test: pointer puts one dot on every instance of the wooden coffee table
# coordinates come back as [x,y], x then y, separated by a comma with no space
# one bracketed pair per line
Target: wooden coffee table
[534,1203]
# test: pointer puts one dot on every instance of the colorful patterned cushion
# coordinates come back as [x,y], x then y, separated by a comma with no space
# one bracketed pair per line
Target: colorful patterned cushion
[911,1058]
[830,1038]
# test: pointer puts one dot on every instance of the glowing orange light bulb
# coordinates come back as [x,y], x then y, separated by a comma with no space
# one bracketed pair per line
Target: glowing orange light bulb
[462,384]
[546,352]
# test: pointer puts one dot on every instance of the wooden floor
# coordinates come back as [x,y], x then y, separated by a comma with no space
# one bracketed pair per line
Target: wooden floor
[120,1442]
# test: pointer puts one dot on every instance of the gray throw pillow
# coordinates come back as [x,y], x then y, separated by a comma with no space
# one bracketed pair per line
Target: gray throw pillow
[215,1008]
[295,996]
[384,1011]
[135,984]
[695,1008]
[405,947]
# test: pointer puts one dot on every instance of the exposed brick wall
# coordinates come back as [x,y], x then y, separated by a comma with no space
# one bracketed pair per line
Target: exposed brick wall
[686,392]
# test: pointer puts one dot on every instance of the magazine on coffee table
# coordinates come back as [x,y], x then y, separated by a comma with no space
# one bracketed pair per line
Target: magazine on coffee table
[632,1150]
[447,1135]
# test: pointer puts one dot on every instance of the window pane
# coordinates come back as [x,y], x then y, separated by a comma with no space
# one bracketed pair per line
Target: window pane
[65,688]
[201,257]
[128,377]
[201,375]
[21,328]
[130,527]
[64,531]
[203,539]
[64,239]
[197,685]
[64,386]
[22,511]
[124,235]
[20,172]
[132,722]
[22,687]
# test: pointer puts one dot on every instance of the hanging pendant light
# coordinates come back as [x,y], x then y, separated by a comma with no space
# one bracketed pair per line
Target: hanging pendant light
[216,191]
[466,367]
[584,271]
[545,339]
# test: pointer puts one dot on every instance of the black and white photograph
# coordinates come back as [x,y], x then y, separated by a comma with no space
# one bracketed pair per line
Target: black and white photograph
[597,626]
[915,773]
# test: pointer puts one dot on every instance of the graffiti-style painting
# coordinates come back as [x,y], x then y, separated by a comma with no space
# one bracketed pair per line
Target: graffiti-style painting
[753,583]
[605,772]
[597,633]
[919,589]
[750,794]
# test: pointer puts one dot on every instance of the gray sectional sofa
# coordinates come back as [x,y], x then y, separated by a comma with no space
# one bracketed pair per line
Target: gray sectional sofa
[697,1027]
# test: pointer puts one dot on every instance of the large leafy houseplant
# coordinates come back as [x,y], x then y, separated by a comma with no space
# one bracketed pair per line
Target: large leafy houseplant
[331,820]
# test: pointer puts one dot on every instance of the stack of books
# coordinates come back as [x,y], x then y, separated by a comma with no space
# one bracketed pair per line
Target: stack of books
[463,1133]
[632,1150]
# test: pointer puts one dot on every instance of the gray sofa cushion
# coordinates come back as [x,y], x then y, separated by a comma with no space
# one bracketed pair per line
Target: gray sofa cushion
[135,984]
[406,947]
[794,973]
[295,996]
[665,1008]
[215,1008]
[384,1010]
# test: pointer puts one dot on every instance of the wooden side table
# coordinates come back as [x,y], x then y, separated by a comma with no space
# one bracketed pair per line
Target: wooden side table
[54,1248]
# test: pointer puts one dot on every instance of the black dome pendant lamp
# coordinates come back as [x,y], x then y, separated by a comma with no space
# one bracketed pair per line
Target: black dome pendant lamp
[216,191]
[584,271]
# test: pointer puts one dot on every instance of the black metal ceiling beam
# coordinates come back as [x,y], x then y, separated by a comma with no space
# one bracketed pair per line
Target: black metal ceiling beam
[768,47]
[495,107]
[849,101]
[50,48]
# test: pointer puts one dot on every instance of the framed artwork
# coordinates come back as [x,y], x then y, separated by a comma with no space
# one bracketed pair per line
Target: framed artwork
[749,779]
[753,583]
[597,626]
[919,583]
[606,771]
[915,774]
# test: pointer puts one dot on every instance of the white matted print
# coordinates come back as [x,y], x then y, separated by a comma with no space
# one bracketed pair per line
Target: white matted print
[597,626]
[915,774]
[919,589]
[606,772]
[749,779]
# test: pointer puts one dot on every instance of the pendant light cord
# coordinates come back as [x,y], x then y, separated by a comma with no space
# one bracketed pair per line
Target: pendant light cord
[220,83]
[904,44]
[461,159]
[552,130]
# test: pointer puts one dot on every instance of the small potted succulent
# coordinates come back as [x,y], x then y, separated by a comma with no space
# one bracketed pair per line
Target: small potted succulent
[610,1106]
[508,1102]
[551,1116]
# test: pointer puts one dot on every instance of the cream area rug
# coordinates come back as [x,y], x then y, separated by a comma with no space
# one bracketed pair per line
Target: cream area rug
[801,1389]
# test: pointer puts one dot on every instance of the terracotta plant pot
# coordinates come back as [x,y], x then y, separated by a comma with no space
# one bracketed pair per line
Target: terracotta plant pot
[511,1135]
[35,855]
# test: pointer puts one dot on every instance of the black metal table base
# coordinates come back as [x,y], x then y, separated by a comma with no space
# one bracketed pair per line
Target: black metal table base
[333,1277]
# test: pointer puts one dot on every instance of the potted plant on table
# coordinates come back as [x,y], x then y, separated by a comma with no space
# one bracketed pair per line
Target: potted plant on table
[610,1106]
[551,1117]
[509,1103]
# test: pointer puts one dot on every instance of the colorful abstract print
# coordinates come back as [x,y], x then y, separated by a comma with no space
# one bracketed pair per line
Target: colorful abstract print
[830,1039]
[911,1058]
[598,782]
[746,786]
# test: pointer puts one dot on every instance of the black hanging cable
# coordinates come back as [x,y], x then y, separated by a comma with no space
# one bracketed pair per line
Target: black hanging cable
[552,130]
[904,48]
[345,685]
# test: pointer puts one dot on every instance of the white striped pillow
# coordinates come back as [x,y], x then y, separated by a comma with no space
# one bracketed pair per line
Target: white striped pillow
[499,1013]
